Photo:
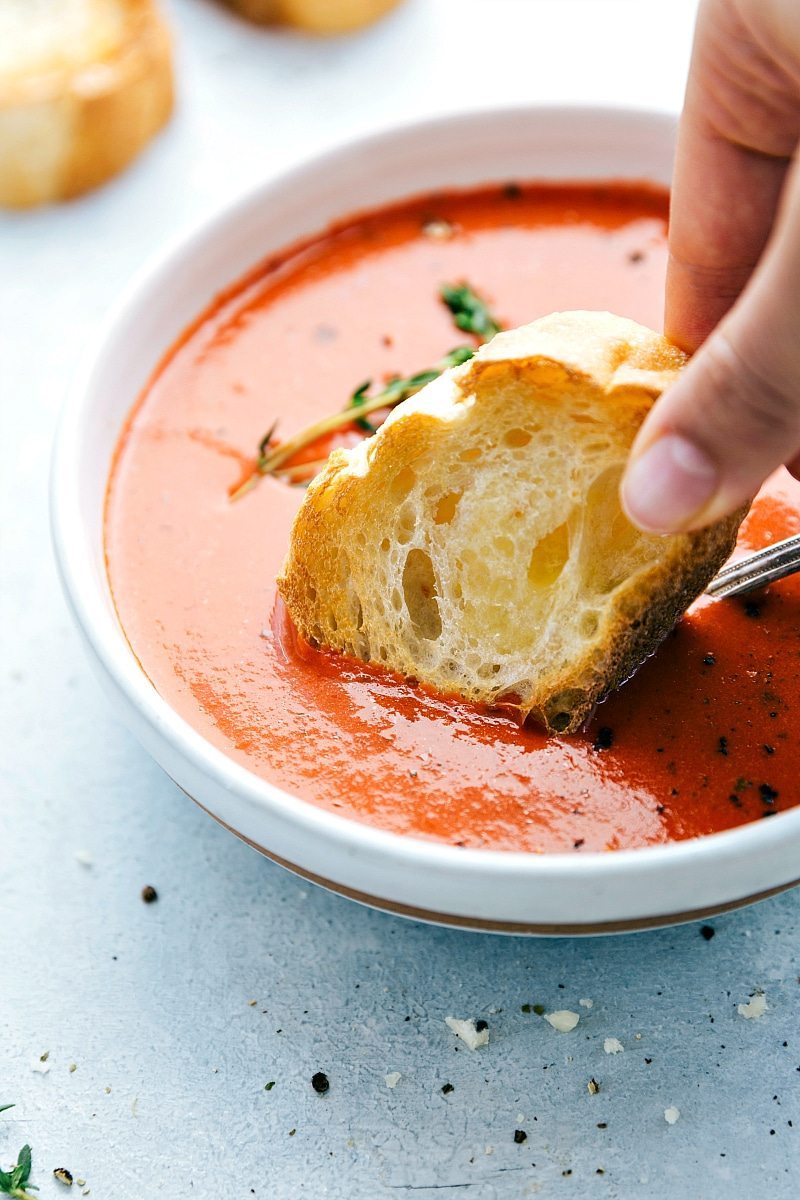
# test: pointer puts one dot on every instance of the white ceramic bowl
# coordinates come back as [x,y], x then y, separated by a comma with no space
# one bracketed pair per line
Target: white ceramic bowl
[512,892]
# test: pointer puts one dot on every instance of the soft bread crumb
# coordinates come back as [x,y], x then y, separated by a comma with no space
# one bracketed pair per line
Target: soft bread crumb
[467,1032]
[671,1114]
[755,1007]
[612,1045]
[476,543]
[392,1079]
[563,1020]
[586,1003]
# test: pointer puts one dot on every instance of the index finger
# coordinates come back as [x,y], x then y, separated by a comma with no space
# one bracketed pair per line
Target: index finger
[738,129]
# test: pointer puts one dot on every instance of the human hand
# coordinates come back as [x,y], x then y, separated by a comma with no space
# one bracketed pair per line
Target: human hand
[733,277]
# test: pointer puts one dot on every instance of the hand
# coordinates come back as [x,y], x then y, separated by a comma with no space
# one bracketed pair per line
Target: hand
[733,277]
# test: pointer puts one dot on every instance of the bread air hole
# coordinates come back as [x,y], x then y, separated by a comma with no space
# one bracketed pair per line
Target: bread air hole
[559,710]
[402,483]
[446,508]
[419,590]
[549,558]
[504,545]
[516,438]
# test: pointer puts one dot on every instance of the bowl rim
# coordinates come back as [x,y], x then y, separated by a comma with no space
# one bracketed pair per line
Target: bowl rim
[106,638]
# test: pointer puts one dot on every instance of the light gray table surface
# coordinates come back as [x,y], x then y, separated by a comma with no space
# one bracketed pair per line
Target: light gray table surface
[153,1003]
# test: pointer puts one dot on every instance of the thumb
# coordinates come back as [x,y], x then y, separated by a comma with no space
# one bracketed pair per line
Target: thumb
[734,415]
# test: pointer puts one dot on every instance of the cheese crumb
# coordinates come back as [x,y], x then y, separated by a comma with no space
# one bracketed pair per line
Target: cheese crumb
[613,1046]
[671,1114]
[756,1007]
[392,1079]
[586,1003]
[467,1031]
[563,1020]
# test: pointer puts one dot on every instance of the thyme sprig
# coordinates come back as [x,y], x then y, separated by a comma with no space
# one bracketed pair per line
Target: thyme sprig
[470,314]
[15,1182]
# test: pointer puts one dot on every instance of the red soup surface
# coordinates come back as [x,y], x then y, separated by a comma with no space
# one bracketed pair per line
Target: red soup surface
[705,736]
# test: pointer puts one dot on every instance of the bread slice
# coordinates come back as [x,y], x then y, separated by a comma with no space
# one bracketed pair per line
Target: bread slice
[84,85]
[314,16]
[477,542]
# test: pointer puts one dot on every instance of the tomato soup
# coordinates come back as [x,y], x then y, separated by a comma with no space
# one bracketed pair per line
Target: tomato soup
[706,735]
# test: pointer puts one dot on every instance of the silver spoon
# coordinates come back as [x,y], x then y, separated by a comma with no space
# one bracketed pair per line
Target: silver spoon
[758,569]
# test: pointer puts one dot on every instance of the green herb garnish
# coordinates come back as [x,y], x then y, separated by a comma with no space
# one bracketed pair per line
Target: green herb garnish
[359,397]
[14,1182]
[470,313]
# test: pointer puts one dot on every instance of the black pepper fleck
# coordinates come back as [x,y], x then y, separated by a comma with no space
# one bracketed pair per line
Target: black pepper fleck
[578,843]
[604,739]
[722,746]
[520,1136]
[320,1083]
[481,1025]
[707,932]
[636,256]
[768,794]
[751,609]
[512,191]
[447,1088]
[709,660]
[149,894]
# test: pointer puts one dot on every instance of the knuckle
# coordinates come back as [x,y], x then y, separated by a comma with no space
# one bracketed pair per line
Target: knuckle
[748,391]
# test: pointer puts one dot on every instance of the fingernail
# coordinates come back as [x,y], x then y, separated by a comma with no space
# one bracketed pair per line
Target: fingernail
[668,484]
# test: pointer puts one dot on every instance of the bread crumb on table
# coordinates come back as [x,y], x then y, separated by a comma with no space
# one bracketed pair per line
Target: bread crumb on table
[755,1007]
[671,1114]
[613,1045]
[563,1020]
[472,1033]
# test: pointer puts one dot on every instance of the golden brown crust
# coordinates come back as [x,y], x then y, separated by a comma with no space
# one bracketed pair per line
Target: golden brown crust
[68,128]
[314,16]
[358,579]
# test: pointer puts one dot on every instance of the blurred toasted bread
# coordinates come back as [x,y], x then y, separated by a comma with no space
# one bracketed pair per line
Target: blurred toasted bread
[477,542]
[84,85]
[314,16]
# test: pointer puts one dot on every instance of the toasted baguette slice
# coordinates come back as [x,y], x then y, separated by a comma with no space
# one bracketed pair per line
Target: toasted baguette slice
[84,85]
[315,16]
[477,542]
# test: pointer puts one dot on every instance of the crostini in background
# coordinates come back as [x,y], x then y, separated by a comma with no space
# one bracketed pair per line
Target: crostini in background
[84,86]
[314,16]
